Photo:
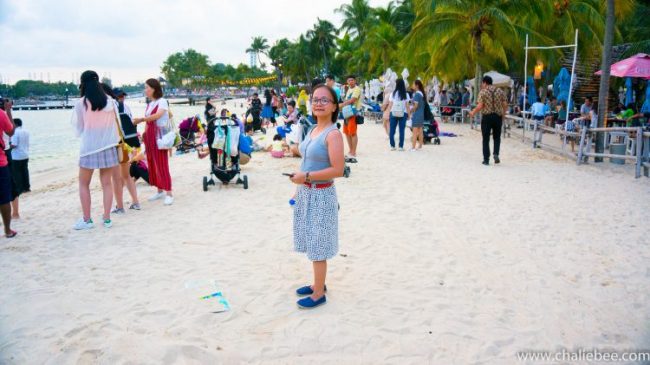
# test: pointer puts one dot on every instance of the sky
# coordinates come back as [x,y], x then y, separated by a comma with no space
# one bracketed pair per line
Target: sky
[128,41]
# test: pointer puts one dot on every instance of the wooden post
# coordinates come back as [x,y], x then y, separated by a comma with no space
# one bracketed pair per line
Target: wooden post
[639,152]
[583,135]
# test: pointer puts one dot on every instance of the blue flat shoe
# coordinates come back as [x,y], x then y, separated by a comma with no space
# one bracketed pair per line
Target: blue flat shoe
[306,290]
[308,303]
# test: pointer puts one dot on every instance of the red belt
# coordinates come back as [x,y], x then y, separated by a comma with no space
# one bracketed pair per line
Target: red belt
[319,186]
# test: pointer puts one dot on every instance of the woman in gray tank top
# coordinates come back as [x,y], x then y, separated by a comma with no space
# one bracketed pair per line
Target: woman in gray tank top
[315,215]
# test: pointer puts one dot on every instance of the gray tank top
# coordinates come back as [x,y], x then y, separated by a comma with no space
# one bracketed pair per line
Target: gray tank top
[314,153]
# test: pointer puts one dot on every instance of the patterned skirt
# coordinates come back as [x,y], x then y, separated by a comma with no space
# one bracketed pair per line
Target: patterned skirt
[100,160]
[315,223]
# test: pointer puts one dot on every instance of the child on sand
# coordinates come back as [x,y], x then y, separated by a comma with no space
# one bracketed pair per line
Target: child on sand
[278,147]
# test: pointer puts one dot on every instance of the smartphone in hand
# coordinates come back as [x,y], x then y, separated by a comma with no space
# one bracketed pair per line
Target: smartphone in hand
[287,174]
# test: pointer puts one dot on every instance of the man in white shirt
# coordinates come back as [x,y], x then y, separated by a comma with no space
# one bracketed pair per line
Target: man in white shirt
[19,164]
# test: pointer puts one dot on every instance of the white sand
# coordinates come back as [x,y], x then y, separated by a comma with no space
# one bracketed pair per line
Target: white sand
[445,261]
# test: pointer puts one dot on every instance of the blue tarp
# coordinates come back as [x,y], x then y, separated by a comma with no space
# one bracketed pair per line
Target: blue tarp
[530,89]
[629,93]
[561,85]
[646,104]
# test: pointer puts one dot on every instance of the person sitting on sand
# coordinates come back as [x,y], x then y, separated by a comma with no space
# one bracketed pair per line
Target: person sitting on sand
[278,147]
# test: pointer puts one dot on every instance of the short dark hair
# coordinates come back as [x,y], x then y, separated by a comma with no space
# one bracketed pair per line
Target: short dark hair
[351,76]
[18,122]
[335,114]
[157,88]
[539,100]
[292,103]
[589,98]
[277,137]
[254,94]
[248,128]
[330,77]
[487,80]
[316,81]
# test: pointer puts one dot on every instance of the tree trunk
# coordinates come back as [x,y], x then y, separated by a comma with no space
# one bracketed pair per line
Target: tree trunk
[603,92]
[479,72]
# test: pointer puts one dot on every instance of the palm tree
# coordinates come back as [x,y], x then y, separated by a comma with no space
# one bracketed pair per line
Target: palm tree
[299,60]
[459,35]
[323,36]
[258,46]
[381,44]
[604,78]
[387,14]
[356,18]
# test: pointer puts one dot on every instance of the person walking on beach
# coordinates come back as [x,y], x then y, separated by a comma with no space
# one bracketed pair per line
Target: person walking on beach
[275,105]
[267,111]
[417,115]
[19,165]
[397,106]
[353,99]
[315,215]
[124,177]
[96,123]
[493,104]
[6,193]
[157,119]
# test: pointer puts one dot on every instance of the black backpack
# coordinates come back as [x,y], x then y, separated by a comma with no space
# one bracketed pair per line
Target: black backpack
[129,129]
[428,115]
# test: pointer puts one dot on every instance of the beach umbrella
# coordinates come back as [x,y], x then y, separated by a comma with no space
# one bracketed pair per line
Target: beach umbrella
[532,94]
[629,93]
[405,75]
[561,85]
[635,66]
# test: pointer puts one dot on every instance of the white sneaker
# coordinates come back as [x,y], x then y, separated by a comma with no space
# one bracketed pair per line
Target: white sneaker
[83,224]
[157,196]
[392,148]
[413,150]
[169,200]
[401,149]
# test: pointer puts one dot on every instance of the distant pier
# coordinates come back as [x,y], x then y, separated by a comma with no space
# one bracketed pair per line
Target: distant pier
[41,107]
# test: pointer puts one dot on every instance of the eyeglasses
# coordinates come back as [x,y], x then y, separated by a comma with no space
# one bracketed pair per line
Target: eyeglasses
[322,101]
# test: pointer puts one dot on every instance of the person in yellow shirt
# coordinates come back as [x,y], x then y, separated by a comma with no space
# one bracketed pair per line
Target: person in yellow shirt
[353,98]
[302,100]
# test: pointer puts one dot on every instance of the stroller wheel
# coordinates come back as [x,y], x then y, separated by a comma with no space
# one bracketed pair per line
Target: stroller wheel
[205,183]
[245,182]
[436,141]
[346,171]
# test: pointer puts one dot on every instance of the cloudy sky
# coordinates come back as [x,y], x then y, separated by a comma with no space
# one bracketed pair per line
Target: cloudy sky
[128,40]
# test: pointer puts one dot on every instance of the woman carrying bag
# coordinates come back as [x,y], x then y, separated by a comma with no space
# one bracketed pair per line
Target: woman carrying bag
[157,119]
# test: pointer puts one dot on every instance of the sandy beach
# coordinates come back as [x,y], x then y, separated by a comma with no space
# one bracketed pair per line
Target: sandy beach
[442,261]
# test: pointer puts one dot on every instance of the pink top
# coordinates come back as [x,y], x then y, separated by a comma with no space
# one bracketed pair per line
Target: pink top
[97,129]
[5,126]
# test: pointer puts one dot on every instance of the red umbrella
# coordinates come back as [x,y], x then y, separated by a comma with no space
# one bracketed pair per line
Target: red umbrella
[635,66]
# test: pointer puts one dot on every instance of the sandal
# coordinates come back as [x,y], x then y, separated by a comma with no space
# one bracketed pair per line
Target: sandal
[12,234]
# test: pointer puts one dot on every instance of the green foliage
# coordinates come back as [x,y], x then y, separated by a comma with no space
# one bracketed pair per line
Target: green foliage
[30,88]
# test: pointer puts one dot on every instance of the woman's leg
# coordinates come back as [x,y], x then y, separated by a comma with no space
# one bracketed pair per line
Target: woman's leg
[386,125]
[5,211]
[15,213]
[402,131]
[391,133]
[414,137]
[85,176]
[118,187]
[320,271]
[421,136]
[129,182]
[105,176]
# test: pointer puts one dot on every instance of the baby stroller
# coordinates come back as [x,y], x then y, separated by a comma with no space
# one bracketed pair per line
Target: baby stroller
[430,129]
[223,143]
[187,130]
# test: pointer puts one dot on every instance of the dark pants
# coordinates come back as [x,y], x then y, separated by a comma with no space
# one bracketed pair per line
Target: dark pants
[20,174]
[394,123]
[491,123]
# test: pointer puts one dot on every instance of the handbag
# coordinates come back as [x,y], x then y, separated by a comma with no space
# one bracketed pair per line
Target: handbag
[349,111]
[122,154]
[168,136]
